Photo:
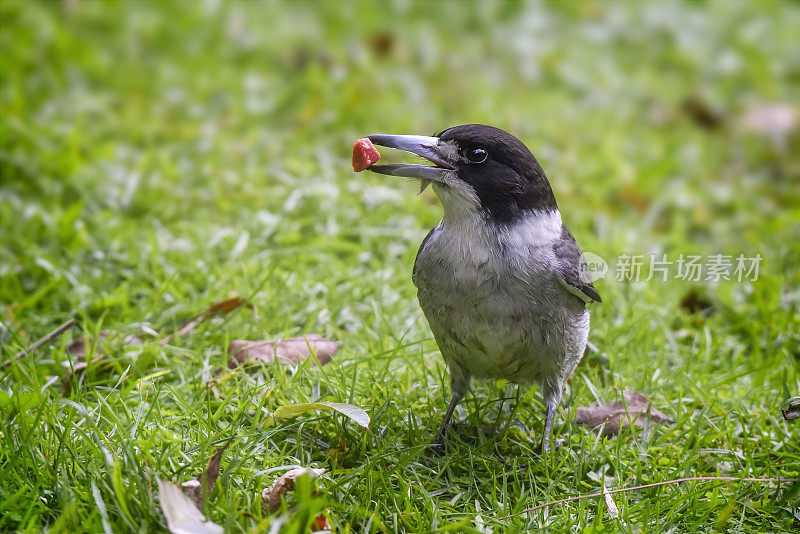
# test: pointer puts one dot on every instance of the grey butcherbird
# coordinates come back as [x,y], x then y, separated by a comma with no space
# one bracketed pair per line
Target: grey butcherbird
[500,279]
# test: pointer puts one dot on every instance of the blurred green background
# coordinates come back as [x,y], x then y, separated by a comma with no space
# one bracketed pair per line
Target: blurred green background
[157,157]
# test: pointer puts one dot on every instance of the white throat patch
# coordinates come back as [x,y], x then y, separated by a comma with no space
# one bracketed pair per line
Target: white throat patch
[534,228]
[460,203]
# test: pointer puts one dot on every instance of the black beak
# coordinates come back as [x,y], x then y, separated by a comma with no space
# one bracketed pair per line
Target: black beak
[416,144]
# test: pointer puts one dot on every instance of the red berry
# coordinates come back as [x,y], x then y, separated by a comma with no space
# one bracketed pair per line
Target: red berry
[365,154]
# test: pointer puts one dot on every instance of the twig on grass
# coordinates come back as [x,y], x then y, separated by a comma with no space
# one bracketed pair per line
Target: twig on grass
[654,484]
[35,345]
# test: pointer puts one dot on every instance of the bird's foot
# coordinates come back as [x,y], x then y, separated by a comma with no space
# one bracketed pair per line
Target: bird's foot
[437,447]
[544,448]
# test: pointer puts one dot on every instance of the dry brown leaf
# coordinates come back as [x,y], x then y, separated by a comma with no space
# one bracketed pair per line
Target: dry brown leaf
[36,344]
[220,308]
[615,416]
[79,348]
[293,350]
[66,380]
[272,496]
[182,515]
[694,302]
[640,202]
[383,43]
[321,523]
[702,112]
[194,488]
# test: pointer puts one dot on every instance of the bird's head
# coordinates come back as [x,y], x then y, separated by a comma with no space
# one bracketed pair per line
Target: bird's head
[478,171]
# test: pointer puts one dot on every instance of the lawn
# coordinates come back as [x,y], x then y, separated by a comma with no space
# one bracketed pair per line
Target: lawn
[158,158]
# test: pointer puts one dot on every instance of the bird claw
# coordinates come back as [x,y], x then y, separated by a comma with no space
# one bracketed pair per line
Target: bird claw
[541,450]
[437,447]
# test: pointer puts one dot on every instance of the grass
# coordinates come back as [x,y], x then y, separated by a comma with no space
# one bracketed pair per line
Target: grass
[157,158]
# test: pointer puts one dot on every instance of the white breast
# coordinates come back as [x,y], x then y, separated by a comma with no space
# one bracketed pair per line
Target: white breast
[470,247]
[492,297]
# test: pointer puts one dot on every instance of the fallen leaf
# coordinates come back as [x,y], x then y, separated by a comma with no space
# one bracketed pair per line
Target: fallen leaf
[272,496]
[293,350]
[35,345]
[694,302]
[791,409]
[382,43]
[194,488]
[182,515]
[321,523]
[353,412]
[615,416]
[80,366]
[220,308]
[772,120]
[635,198]
[79,348]
[611,506]
[702,112]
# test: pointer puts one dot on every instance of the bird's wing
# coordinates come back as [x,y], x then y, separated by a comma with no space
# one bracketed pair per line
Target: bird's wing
[421,248]
[572,268]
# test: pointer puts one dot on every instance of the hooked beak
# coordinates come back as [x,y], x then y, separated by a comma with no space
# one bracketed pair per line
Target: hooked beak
[416,144]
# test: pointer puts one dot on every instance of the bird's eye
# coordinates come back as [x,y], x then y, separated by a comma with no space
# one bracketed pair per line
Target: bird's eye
[477,155]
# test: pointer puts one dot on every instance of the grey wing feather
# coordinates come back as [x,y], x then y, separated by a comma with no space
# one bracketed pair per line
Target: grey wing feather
[572,268]
[421,248]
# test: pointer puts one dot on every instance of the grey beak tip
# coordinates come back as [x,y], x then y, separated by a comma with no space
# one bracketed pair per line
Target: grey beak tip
[377,139]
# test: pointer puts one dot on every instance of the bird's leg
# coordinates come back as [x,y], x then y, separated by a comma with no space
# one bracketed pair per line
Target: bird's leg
[548,425]
[438,443]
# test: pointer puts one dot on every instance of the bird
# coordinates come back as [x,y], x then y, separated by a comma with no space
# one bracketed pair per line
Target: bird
[500,279]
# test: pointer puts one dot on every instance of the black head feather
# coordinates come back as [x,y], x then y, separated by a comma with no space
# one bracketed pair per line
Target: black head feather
[509,181]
